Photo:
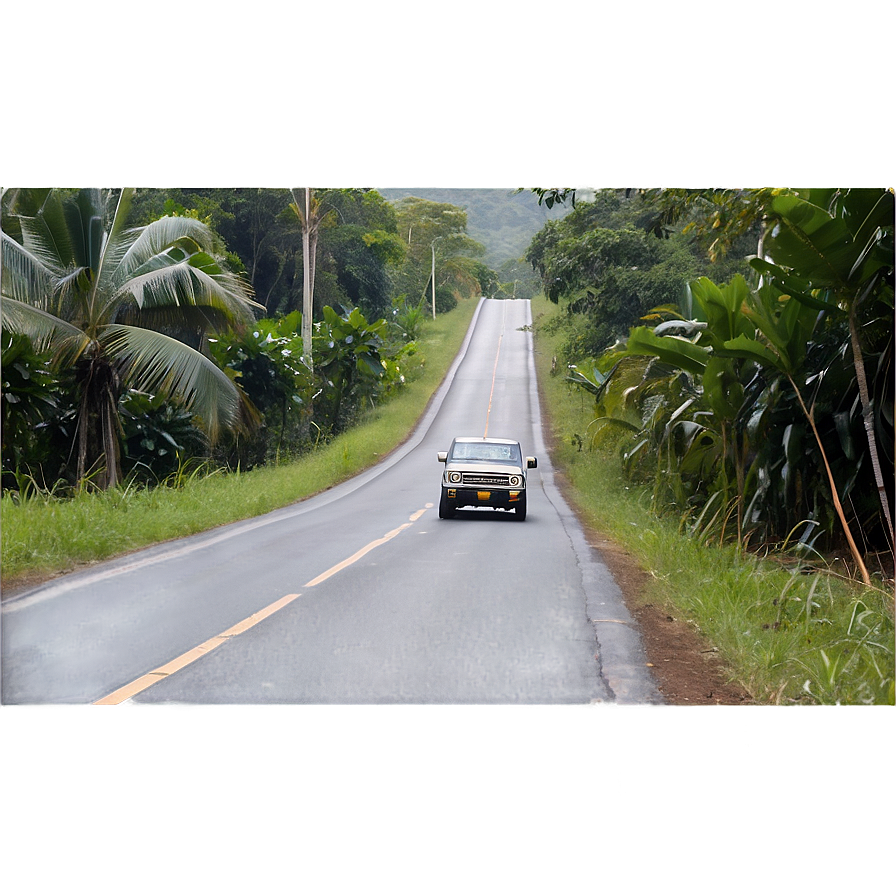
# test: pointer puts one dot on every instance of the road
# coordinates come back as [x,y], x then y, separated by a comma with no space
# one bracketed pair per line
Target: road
[360,595]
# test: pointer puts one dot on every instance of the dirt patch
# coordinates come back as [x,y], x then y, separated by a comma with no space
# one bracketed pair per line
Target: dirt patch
[687,670]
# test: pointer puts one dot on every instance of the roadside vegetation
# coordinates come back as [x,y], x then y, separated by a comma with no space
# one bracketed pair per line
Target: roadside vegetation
[729,359]
[790,630]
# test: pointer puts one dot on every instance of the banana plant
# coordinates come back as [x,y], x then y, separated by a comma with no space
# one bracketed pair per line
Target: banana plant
[784,328]
[693,340]
[590,378]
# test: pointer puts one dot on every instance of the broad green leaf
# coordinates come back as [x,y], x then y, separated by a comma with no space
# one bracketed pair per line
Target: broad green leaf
[372,366]
[866,210]
[705,291]
[722,389]
[800,213]
[844,432]
[874,256]
[743,347]
[792,285]
[792,441]
[600,422]
[821,247]
[675,351]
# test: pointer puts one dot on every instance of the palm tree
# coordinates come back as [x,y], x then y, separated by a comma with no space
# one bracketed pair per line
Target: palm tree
[312,216]
[123,307]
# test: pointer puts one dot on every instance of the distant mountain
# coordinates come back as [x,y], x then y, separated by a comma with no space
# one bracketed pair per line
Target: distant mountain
[503,220]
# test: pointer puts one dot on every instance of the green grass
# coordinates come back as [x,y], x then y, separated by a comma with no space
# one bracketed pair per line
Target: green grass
[43,536]
[785,635]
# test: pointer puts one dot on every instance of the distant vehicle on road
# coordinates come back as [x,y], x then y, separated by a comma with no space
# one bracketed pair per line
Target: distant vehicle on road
[484,473]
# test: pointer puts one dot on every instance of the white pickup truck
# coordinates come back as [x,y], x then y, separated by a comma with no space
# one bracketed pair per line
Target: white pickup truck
[484,473]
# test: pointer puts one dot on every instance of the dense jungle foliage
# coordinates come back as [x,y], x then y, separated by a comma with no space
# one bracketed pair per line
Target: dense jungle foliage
[738,346]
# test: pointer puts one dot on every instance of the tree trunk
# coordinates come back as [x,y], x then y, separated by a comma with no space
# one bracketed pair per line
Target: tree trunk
[307,281]
[810,416]
[309,251]
[99,427]
[868,418]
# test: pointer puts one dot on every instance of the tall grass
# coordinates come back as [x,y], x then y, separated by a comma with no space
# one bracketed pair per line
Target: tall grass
[789,632]
[43,535]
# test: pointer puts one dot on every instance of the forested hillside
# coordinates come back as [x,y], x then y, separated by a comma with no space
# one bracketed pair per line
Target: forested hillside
[503,220]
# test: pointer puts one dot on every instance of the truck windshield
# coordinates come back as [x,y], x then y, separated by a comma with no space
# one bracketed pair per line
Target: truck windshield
[490,453]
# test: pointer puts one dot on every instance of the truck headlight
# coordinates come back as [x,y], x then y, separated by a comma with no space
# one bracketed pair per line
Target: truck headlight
[516,481]
[454,477]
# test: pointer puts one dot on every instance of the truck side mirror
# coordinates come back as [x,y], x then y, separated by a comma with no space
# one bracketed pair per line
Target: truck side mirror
[443,457]
[531,462]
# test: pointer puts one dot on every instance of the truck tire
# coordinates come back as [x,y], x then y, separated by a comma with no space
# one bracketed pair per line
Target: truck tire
[446,508]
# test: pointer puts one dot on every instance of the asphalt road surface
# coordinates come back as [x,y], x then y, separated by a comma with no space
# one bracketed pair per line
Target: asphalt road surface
[361,595]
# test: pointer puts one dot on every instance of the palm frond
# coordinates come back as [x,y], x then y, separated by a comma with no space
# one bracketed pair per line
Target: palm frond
[186,283]
[45,330]
[47,236]
[108,259]
[174,319]
[71,299]
[24,200]
[153,362]
[25,277]
[134,248]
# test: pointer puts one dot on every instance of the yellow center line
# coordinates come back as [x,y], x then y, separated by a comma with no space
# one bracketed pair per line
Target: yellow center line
[148,680]
[175,665]
[494,374]
[416,516]
[366,549]
[356,556]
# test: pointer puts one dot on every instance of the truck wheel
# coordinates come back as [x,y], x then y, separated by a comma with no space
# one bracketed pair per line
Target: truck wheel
[446,508]
[521,508]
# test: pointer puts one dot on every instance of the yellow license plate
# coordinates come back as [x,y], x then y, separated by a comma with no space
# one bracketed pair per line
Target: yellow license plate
[483,496]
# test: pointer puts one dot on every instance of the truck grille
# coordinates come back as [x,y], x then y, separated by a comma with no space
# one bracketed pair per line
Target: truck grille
[492,479]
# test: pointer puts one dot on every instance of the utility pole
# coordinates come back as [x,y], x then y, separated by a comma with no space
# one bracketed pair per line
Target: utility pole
[433,247]
[309,250]
[307,296]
